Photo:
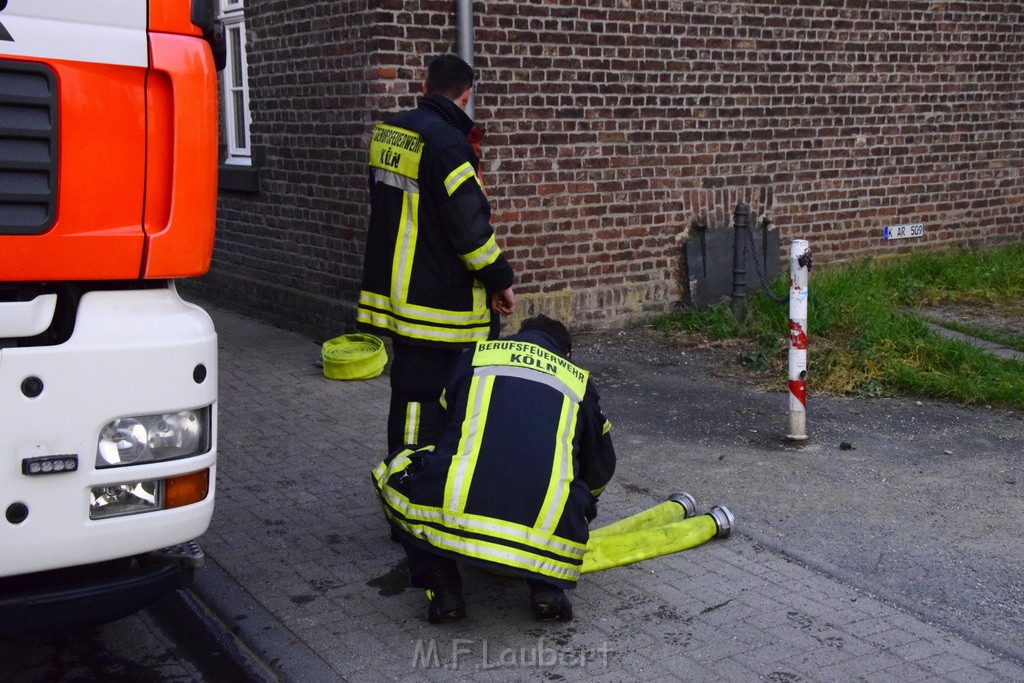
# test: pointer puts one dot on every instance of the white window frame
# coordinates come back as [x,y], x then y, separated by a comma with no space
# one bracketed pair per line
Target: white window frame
[237,141]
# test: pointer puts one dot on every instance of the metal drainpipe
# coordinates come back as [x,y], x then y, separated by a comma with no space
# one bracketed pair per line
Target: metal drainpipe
[464,9]
[741,235]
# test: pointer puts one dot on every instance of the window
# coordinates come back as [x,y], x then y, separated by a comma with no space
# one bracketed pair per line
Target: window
[235,86]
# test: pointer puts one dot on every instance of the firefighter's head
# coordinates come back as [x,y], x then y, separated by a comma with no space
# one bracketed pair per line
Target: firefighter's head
[449,76]
[558,332]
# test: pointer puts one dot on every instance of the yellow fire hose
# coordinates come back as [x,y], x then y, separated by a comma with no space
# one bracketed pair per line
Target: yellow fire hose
[679,506]
[353,356]
[664,529]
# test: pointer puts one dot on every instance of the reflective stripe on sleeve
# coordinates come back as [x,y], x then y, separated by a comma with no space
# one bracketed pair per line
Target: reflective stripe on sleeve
[484,256]
[458,176]
[383,471]
[412,422]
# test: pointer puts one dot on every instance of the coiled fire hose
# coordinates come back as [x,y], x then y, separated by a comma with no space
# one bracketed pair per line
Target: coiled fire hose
[353,356]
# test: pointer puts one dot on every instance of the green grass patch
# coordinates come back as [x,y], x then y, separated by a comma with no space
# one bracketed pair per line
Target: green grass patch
[867,340]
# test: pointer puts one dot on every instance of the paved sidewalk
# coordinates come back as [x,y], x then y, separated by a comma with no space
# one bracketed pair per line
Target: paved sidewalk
[301,569]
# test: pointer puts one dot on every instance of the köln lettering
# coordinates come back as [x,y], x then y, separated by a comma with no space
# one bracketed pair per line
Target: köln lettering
[520,359]
[390,158]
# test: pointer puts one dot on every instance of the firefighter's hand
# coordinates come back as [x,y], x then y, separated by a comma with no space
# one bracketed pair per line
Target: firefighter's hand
[503,302]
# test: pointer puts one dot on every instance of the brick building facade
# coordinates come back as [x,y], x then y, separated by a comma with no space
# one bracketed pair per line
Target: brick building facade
[618,128]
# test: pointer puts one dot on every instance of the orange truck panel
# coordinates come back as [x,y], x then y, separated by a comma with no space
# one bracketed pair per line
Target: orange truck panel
[167,16]
[181,198]
[136,187]
[101,175]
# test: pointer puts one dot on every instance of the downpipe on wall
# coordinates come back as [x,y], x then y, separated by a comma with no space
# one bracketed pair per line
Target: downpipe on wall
[464,21]
[741,236]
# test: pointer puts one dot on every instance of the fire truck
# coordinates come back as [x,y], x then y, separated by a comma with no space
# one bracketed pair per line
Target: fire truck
[108,378]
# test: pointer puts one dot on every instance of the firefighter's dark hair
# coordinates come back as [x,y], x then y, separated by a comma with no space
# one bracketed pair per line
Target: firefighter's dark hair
[449,76]
[554,329]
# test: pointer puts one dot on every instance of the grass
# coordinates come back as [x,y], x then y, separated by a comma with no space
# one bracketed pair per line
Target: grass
[866,338]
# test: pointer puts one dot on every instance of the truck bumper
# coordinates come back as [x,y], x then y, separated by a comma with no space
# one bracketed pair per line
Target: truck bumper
[51,601]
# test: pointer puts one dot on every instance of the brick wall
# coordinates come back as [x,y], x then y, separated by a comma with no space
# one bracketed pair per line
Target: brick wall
[291,253]
[614,127]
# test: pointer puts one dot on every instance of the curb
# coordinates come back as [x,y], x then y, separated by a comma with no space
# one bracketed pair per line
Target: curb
[269,650]
[208,645]
[990,347]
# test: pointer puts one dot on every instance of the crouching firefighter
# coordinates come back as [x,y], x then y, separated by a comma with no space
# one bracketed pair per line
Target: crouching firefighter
[512,483]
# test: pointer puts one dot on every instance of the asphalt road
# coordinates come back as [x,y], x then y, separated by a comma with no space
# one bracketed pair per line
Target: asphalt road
[916,502]
[172,641]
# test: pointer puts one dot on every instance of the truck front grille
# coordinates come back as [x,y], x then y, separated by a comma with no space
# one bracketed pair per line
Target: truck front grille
[28,148]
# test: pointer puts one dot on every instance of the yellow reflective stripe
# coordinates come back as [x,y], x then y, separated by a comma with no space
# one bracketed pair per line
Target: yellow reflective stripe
[496,552]
[378,474]
[463,465]
[607,427]
[459,176]
[383,471]
[526,355]
[598,491]
[396,149]
[561,470]
[412,422]
[492,551]
[484,256]
[479,316]
[482,525]
[408,232]
[426,332]
[480,302]
[444,398]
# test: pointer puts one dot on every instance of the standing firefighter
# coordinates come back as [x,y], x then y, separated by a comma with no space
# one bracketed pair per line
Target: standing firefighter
[513,481]
[434,278]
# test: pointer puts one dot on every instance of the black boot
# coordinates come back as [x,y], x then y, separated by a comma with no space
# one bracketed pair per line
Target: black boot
[446,606]
[548,603]
[440,577]
[444,592]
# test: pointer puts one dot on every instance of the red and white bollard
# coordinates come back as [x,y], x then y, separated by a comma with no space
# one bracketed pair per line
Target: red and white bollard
[799,268]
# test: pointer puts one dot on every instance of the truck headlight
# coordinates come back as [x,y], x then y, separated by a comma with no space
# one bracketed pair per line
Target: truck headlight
[150,438]
[134,497]
[125,499]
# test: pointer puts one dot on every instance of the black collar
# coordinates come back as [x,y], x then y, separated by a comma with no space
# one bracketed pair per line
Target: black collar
[448,111]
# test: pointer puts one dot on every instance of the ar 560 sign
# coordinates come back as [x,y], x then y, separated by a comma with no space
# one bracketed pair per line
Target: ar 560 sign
[895,232]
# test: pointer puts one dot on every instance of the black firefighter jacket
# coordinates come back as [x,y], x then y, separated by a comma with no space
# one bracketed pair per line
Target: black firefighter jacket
[431,258]
[517,471]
